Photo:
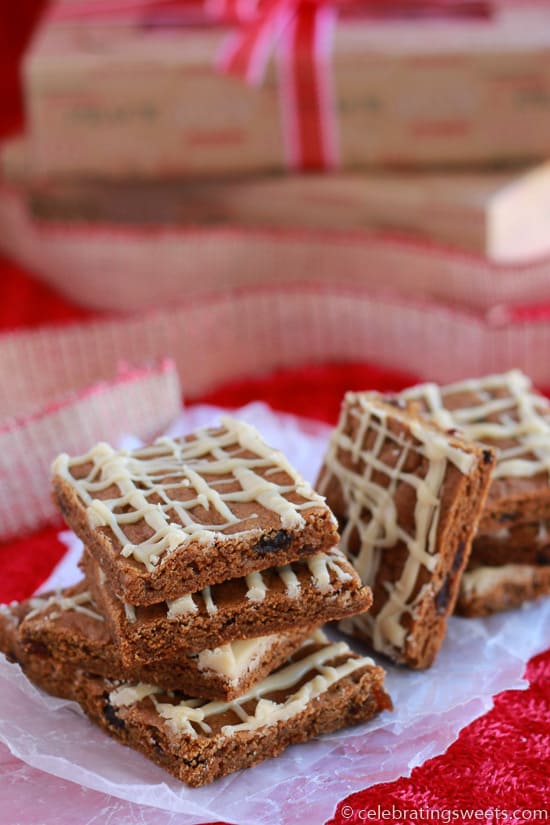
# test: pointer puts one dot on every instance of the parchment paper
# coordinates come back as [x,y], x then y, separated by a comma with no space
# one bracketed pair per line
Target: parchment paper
[479,658]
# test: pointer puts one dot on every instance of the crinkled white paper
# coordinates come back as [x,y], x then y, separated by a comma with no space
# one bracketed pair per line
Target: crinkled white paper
[479,658]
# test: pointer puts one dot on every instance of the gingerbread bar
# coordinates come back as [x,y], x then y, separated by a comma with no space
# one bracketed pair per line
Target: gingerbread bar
[324,687]
[527,543]
[408,496]
[68,627]
[504,412]
[183,514]
[50,674]
[306,593]
[489,589]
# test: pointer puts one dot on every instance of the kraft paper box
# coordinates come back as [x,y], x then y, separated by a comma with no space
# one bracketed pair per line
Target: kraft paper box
[502,215]
[120,100]
[130,268]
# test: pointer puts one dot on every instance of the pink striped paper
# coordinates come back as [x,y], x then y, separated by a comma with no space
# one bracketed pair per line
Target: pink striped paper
[47,408]
[214,339]
[129,269]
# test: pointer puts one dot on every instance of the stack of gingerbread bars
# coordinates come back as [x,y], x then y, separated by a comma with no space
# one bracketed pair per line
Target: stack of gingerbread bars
[443,498]
[210,566]
[408,495]
[510,559]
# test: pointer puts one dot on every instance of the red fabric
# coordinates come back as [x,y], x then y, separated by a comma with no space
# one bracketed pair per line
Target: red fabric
[499,761]
[28,303]
[311,391]
[16,24]
[307,93]
[27,562]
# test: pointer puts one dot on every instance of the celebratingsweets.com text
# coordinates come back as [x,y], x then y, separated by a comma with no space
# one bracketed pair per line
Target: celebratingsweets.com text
[395,814]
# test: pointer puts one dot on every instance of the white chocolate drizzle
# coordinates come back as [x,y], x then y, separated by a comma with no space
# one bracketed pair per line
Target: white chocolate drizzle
[503,534]
[321,565]
[184,717]
[481,581]
[130,612]
[325,570]
[292,582]
[7,610]
[211,608]
[373,509]
[521,416]
[257,588]
[79,603]
[537,529]
[207,468]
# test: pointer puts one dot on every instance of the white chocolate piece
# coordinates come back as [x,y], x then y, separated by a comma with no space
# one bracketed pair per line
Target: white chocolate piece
[181,607]
[235,660]
[170,465]
[382,530]
[523,416]
[127,695]
[181,716]
[480,581]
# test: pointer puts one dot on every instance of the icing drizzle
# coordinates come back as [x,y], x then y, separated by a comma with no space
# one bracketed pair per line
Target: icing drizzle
[164,484]
[253,709]
[324,569]
[231,660]
[481,581]
[373,512]
[80,602]
[320,566]
[520,416]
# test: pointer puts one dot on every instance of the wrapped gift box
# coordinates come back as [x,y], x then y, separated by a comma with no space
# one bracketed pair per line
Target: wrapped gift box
[503,216]
[133,267]
[113,98]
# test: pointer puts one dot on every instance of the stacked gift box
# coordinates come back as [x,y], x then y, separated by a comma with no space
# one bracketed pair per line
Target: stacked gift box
[199,94]
[399,147]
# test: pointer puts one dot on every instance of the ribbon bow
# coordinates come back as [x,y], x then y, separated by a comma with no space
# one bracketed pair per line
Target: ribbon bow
[300,34]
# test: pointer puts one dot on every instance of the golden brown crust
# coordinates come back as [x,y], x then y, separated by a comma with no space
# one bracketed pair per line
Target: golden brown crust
[198,566]
[154,636]
[199,760]
[77,639]
[527,543]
